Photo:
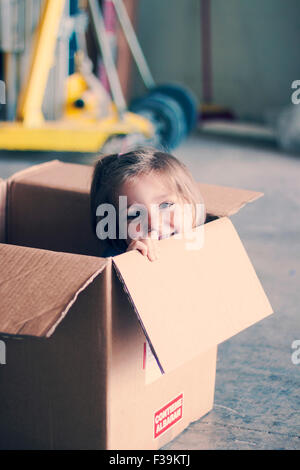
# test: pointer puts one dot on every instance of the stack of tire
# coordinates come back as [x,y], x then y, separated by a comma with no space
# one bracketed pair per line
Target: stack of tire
[172,109]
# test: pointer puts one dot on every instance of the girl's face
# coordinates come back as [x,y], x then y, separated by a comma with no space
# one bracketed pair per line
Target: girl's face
[162,208]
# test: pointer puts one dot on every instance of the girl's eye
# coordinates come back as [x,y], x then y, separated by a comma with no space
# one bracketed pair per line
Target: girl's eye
[166,205]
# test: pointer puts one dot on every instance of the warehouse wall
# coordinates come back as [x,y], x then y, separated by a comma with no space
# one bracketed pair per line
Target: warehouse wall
[254,49]
[255,53]
[169,34]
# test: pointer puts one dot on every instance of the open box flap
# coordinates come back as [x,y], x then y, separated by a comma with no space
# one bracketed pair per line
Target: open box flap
[56,174]
[38,287]
[219,200]
[190,300]
[223,201]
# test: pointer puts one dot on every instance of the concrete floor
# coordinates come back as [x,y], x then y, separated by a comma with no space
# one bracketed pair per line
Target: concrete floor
[257,397]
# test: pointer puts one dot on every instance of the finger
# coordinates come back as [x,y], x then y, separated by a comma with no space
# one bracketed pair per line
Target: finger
[146,245]
[153,235]
[140,246]
[152,251]
[151,254]
[131,245]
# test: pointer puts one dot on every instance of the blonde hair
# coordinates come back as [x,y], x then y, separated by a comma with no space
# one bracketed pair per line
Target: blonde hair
[111,171]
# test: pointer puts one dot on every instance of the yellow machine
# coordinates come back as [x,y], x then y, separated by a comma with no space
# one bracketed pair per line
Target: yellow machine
[76,131]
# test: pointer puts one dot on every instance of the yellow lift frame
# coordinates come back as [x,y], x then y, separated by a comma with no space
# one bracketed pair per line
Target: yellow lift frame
[32,132]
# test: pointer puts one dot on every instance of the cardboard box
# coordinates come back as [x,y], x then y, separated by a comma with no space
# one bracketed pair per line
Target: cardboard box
[2,209]
[115,353]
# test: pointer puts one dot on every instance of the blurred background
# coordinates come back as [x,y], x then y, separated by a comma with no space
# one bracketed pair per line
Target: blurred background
[227,68]
[216,82]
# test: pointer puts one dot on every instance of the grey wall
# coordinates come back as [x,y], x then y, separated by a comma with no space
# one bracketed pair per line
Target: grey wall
[255,49]
[169,34]
[255,53]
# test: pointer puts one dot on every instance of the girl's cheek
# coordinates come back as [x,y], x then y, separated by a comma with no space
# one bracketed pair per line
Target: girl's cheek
[177,219]
[172,218]
[183,219]
[166,223]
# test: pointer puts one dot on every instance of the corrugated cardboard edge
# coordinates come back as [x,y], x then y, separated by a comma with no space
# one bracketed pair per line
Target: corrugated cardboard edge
[120,277]
[229,201]
[32,169]
[3,195]
[108,348]
[256,196]
[73,300]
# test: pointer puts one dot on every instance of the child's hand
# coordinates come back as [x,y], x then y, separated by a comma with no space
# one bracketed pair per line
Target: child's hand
[147,246]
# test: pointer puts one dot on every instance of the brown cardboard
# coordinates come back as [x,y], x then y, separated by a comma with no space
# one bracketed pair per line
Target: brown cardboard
[57,191]
[225,201]
[53,391]
[78,372]
[44,212]
[131,402]
[3,185]
[48,284]
[230,295]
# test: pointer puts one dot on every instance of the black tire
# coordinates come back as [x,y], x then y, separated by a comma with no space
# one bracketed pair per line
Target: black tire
[166,115]
[184,97]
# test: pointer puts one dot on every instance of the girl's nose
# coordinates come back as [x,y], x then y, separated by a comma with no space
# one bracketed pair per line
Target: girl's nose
[161,223]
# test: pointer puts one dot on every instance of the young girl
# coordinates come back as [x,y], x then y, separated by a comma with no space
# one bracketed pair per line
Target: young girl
[145,188]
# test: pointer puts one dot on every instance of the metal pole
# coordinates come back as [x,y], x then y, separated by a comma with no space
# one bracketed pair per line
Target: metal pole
[107,56]
[10,78]
[43,50]
[134,45]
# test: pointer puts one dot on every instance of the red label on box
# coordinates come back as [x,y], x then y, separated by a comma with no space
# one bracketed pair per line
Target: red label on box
[168,415]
